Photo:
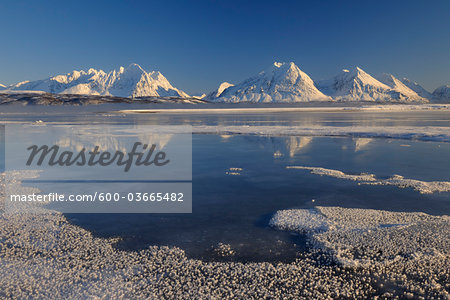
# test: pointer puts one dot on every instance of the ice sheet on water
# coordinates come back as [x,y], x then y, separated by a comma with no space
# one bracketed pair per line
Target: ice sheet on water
[424,187]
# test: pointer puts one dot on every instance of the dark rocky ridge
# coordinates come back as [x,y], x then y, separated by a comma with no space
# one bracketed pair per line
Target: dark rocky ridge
[67,99]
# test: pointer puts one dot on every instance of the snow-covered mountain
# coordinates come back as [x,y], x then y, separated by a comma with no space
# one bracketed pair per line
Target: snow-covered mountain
[357,85]
[282,82]
[216,93]
[132,82]
[397,85]
[2,87]
[442,94]
[417,88]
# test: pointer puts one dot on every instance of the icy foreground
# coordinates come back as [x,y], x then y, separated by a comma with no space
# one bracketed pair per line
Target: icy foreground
[132,81]
[424,187]
[44,256]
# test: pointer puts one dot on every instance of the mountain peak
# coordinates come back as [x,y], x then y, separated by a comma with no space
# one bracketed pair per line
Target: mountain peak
[354,72]
[132,69]
[281,82]
[398,86]
[216,93]
[284,65]
[442,94]
[135,67]
[416,88]
[357,85]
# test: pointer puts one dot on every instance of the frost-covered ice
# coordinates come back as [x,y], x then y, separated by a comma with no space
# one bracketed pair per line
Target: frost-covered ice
[302,220]
[44,256]
[424,187]
[235,171]
[336,173]
[367,237]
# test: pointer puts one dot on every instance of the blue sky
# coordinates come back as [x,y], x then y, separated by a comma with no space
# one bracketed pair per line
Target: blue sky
[198,44]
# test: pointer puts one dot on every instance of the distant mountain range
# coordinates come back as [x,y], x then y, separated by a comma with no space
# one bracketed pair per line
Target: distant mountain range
[131,82]
[281,82]
[285,82]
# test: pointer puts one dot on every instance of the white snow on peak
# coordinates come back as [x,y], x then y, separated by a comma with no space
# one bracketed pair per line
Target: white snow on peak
[357,85]
[400,87]
[202,96]
[216,93]
[223,86]
[132,81]
[277,64]
[2,87]
[281,82]
[417,88]
[442,94]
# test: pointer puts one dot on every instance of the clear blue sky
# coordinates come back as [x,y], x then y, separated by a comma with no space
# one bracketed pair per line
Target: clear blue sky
[198,44]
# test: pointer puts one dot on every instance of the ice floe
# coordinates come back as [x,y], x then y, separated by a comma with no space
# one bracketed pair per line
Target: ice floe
[336,173]
[424,187]
[364,237]
[234,171]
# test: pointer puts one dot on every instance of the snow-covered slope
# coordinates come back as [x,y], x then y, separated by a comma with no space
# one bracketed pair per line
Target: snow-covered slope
[442,94]
[132,81]
[417,88]
[2,87]
[216,93]
[406,93]
[282,82]
[202,96]
[357,85]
